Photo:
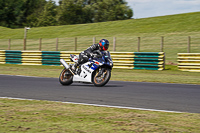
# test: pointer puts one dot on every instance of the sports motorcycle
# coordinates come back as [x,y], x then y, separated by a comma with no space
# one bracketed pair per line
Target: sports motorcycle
[97,70]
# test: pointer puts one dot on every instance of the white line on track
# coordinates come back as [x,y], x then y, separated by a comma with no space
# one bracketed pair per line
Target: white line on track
[98,105]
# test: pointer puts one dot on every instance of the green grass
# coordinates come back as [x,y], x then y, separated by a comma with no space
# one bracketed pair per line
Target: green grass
[54,117]
[181,23]
[174,28]
[170,75]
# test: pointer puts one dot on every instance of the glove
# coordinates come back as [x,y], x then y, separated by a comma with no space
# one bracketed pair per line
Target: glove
[91,55]
[99,56]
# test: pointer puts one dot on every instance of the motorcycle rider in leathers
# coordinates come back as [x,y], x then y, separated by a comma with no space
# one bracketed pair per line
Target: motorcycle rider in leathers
[84,56]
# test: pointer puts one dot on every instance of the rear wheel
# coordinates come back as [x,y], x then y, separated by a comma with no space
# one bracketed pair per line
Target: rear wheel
[101,76]
[66,77]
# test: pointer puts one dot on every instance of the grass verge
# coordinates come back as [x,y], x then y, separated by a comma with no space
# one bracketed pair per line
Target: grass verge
[55,117]
[170,75]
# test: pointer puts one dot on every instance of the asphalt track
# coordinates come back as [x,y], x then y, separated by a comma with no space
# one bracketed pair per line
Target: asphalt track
[158,96]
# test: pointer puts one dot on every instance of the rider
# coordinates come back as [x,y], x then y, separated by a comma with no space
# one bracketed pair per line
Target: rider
[88,53]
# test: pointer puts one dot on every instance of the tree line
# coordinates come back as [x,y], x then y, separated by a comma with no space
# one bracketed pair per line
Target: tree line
[36,13]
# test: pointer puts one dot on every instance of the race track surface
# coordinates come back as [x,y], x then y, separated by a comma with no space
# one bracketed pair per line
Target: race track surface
[159,96]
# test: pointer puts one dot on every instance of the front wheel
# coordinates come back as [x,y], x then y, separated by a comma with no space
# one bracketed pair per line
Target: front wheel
[66,77]
[101,76]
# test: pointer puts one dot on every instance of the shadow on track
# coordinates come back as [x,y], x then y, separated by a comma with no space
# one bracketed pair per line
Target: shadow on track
[91,85]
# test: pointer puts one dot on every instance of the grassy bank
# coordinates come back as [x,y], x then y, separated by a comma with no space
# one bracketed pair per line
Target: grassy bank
[174,28]
[50,117]
[181,23]
[170,75]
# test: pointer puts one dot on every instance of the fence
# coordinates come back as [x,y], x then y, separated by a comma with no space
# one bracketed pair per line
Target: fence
[170,44]
[75,41]
[123,60]
[189,62]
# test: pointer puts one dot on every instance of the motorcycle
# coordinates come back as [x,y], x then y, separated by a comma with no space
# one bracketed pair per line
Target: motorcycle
[97,70]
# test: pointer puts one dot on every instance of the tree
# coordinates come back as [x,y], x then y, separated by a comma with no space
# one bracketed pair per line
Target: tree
[107,10]
[48,15]
[20,13]
[10,12]
[87,11]
[31,11]
[71,12]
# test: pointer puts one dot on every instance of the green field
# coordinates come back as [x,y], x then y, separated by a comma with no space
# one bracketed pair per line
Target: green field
[24,116]
[174,28]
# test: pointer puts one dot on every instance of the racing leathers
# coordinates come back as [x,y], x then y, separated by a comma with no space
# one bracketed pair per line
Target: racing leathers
[88,53]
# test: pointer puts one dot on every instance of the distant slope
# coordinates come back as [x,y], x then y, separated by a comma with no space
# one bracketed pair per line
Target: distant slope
[189,22]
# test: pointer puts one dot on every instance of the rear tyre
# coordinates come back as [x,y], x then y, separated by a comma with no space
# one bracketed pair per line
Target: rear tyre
[66,77]
[101,80]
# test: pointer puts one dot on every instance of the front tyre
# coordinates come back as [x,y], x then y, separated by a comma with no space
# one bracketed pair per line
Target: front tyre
[65,77]
[101,77]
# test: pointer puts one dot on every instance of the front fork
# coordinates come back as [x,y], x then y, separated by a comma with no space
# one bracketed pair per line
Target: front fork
[100,72]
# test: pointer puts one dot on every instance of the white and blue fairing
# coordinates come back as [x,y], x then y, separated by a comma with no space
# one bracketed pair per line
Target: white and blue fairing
[89,67]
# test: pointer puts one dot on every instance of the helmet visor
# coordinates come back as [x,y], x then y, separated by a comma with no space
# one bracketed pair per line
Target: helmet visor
[106,46]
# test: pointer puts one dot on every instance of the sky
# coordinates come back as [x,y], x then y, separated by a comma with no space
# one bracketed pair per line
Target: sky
[153,8]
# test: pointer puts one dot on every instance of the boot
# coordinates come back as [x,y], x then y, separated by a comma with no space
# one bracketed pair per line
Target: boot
[74,67]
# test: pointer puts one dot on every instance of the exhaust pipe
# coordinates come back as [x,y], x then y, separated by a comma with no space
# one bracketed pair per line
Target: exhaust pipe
[64,63]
